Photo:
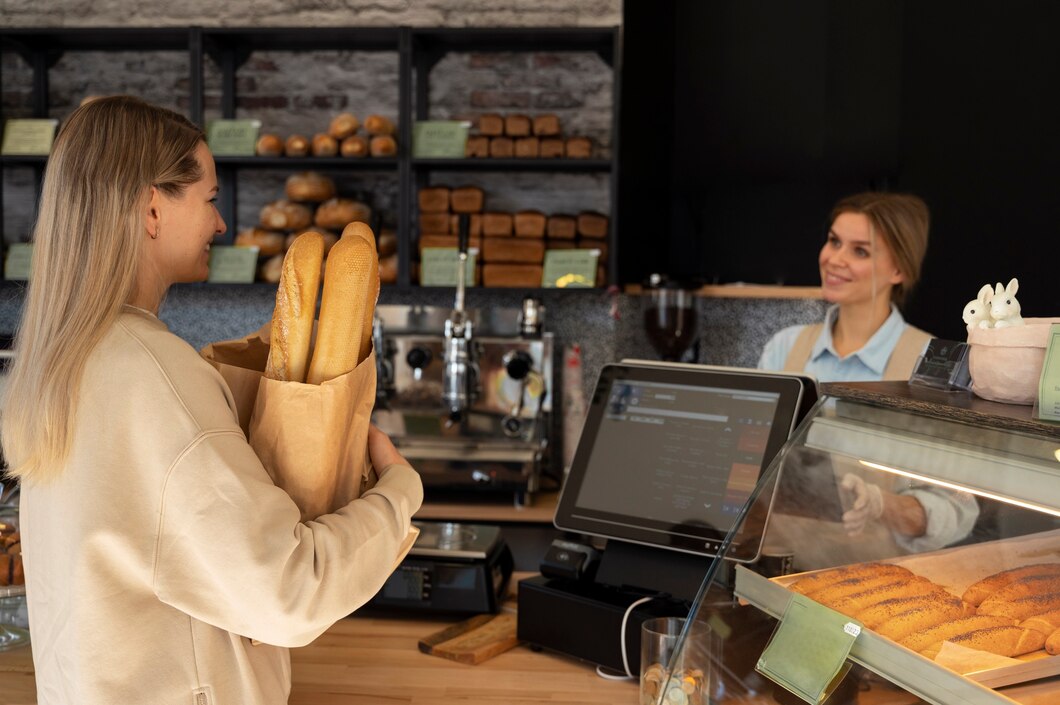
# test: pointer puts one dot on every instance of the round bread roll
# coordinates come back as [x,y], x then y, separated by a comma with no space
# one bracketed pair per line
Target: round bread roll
[270,269]
[309,186]
[343,125]
[324,145]
[379,125]
[296,146]
[269,145]
[337,213]
[285,215]
[330,238]
[388,269]
[268,242]
[383,146]
[354,146]
[386,243]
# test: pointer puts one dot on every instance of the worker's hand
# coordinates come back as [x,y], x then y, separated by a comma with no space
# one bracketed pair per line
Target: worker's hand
[864,502]
[381,450]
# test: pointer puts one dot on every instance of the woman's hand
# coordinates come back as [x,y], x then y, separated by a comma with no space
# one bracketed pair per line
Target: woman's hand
[382,451]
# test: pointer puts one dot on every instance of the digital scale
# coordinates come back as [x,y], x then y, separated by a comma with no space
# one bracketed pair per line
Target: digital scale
[452,567]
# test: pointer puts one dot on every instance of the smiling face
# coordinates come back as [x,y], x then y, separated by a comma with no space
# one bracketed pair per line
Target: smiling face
[854,265]
[188,223]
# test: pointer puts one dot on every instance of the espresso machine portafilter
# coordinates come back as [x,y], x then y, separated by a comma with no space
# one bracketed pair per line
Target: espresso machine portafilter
[460,377]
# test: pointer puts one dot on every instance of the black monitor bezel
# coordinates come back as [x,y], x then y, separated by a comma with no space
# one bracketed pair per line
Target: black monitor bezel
[705,541]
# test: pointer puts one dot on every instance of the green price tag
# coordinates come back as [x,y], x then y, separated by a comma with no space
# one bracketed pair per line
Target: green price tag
[232,138]
[570,269]
[438,266]
[18,261]
[233,265]
[807,653]
[1049,385]
[29,137]
[439,139]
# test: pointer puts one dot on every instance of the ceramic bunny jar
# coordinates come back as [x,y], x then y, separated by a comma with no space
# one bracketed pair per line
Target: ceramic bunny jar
[977,311]
[1004,308]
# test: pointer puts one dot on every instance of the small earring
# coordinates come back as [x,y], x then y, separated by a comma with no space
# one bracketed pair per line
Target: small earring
[158,229]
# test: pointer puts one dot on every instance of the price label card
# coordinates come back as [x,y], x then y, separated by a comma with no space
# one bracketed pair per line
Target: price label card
[232,138]
[438,266]
[18,261]
[1049,384]
[28,137]
[233,264]
[439,139]
[807,653]
[570,269]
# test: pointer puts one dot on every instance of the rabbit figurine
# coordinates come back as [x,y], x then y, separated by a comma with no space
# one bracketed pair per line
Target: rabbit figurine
[977,311]
[1004,308]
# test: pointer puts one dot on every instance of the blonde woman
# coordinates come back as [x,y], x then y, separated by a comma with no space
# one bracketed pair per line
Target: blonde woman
[162,564]
[870,261]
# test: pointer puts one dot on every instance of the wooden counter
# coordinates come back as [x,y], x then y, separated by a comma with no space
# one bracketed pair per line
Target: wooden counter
[373,660]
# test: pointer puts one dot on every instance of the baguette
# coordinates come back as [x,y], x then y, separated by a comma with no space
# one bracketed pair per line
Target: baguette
[1027,586]
[879,613]
[903,587]
[1052,644]
[853,586]
[920,618]
[1007,641]
[822,579]
[364,232]
[342,309]
[1046,623]
[981,590]
[918,641]
[296,303]
[1023,607]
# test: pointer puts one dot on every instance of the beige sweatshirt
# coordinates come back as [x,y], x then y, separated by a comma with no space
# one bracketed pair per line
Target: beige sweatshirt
[163,548]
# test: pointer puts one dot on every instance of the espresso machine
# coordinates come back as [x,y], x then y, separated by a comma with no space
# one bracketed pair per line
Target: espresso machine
[466,395]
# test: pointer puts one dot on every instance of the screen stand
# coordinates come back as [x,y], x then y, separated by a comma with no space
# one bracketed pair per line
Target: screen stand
[631,566]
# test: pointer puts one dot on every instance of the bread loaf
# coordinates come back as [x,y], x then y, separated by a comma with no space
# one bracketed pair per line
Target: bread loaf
[296,303]
[382,146]
[1021,608]
[354,146]
[474,225]
[1004,641]
[337,213]
[879,613]
[348,292]
[491,125]
[579,148]
[979,591]
[362,231]
[309,186]
[434,223]
[271,269]
[592,224]
[516,125]
[509,249]
[559,245]
[822,579]
[589,244]
[269,145]
[529,224]
[386,242]
[497,224]
[561,227]
[552,148]
[388,269]
[502,147]
[268,242]
[330,239]
[1052,643]
[527,147]
[434,199]
[296,146]
[1046,623]
[1027,586]
[921,617]
[343,125]
[477,146]
[853,603]
[546,125]
[467,199]
[285,215]
[512,275]
[379,125]
[920,640]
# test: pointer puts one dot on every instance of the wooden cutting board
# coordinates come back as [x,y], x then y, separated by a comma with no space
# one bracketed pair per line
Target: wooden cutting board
[474,640]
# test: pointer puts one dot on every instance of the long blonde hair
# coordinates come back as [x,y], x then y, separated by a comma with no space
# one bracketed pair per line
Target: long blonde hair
[86,251]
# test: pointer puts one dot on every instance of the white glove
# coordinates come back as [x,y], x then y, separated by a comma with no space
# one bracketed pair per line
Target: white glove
[865,502]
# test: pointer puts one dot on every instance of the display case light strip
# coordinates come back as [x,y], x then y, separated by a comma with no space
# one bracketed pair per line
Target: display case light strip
[962,488]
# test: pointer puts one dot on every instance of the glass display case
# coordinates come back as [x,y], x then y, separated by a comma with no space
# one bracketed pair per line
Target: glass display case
[928,524]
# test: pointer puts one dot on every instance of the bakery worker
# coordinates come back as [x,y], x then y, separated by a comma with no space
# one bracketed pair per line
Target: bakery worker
[870,260]
[162,564]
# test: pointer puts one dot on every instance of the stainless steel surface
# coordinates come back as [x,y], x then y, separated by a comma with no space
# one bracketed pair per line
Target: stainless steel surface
[454,540]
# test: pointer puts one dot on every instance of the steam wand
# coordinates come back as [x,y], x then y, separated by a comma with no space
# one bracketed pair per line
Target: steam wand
[460,378]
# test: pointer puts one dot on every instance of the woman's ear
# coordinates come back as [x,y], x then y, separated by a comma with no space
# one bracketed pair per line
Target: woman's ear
[896,277]
[153,216]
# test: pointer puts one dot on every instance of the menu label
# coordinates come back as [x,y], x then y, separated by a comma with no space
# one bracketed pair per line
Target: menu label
[233,138]
[438,266]
[1049,384]
[233,264]
[19,261]
[439,139]
[28,137]
[570,269]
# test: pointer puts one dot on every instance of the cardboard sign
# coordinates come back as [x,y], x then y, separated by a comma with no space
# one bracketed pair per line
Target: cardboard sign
[1049,384]
[439,139]
[18,262]
[233,265]
[807,653]
[28,137]
[570,269]
[438,266]
[232,138]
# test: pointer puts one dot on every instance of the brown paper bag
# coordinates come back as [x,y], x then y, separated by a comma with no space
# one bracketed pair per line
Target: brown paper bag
[312,439]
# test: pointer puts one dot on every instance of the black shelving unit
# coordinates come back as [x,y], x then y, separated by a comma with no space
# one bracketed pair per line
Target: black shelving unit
[418,50]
